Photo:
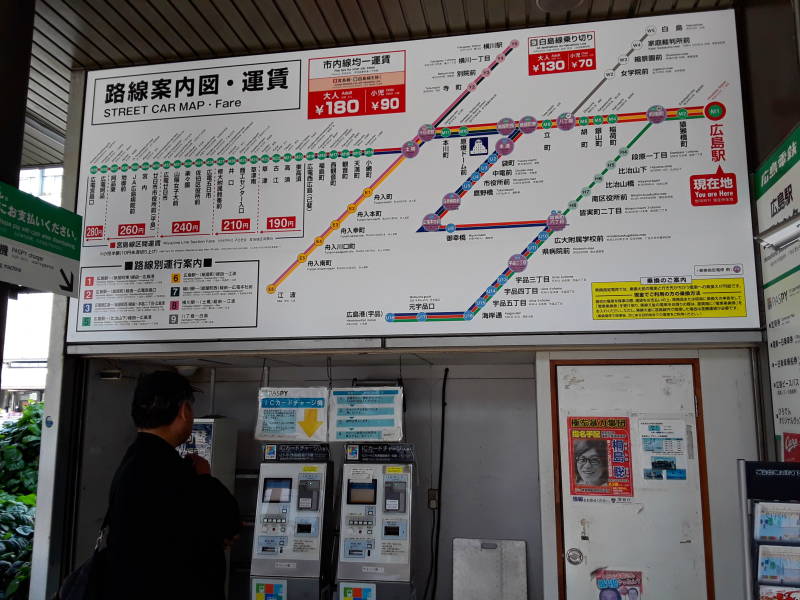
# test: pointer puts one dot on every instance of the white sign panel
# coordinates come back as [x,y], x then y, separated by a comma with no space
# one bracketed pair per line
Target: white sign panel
[570,178]
[292,414]
[367,414]
[777,181]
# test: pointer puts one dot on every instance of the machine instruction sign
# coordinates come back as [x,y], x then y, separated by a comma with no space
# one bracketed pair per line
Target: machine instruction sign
[550,179]
[292,414]
[39,243]
[367,414]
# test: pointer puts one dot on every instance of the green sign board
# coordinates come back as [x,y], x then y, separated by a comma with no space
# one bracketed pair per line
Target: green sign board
[40,244]
[777,164]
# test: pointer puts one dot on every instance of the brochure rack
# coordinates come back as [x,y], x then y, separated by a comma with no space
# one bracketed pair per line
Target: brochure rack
[770,513]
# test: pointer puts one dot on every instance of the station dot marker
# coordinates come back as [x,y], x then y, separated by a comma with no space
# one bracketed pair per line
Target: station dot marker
[556,221]
[318,241]
[565,121]
[271,288]
[431,222]
[528,124]
[517,263]
[426,132]
[506,126]
[715,111]
[451,201]
[367,192]
[351,208]
[486,72]
[656,114]
[514,43]
[504,146]
[336,224]
[409,149]
[302,258]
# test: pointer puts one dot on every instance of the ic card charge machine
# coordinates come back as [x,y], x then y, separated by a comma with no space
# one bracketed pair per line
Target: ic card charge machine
[290,545]
[375,526]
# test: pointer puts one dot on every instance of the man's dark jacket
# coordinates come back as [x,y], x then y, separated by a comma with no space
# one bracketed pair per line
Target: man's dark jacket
[167,527]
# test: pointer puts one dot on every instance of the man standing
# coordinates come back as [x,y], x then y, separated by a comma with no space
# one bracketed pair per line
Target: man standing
[169,520]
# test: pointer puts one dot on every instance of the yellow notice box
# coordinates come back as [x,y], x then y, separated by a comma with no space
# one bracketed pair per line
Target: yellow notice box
[700,299]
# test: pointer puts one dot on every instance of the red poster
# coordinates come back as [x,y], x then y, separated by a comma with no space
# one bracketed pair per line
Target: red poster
[600,456]
[791,447]
[565,53]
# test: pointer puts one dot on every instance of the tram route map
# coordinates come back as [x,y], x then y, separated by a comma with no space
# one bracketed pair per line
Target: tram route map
[554,179]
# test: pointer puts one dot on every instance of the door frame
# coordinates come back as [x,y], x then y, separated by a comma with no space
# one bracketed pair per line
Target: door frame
[701,456]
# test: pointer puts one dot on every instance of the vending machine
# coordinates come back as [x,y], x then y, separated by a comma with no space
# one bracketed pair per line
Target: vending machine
[291,547]
[215,440]
[375,524]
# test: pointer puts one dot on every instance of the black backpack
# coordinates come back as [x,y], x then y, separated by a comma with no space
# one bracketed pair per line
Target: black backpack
[86,582]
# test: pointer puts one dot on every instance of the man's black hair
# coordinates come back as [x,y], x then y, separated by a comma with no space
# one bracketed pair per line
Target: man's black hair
[158,398]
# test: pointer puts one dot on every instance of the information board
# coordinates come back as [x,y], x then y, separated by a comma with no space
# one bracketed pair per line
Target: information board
[776,181]
[573,178]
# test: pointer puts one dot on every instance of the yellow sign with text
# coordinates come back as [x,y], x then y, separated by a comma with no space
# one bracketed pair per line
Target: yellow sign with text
[698,299]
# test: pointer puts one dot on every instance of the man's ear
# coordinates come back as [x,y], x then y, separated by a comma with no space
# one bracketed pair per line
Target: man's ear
[186,411]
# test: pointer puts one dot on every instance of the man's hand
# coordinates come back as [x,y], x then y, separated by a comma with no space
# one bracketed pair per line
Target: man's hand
[199,464]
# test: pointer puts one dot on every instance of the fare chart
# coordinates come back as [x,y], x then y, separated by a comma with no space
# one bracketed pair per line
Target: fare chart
[561,179]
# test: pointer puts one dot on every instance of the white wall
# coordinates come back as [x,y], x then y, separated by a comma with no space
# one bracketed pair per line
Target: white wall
[728,405]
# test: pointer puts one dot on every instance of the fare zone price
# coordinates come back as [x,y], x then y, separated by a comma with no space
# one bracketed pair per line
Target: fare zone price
[354,102]
[185,227]
[562,62]
[130,229]
[281,223]
[235,225]
[94,232]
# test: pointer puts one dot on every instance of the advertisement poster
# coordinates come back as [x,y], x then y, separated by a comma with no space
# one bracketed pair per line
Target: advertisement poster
[776,181]
[569,178]
[367,414]
[600,457]
[779,565]
[768,592]
[199,442]
[269,589]
[777,521]
[292,414]
[619,585]
[664,449]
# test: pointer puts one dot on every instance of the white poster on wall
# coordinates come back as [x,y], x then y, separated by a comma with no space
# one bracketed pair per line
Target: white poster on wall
[664,449]
[570,178]
[366,414]
[292,414]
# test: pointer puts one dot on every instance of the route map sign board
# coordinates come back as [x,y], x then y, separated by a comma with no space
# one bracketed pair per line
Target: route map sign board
[39,243]
[777,181]
[571,178]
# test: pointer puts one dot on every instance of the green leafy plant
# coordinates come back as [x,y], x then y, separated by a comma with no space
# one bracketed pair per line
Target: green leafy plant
[19,466]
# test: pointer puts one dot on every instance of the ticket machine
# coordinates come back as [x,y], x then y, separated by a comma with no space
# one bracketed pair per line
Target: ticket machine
[290,544]
[375,526]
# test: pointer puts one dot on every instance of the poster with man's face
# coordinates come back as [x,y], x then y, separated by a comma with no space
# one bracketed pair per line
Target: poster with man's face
[600,456]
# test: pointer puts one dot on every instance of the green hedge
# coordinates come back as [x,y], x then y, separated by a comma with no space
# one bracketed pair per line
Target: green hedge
[19,469]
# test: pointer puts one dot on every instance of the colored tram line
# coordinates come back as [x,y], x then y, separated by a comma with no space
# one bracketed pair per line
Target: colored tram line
[518,262]
[408,150]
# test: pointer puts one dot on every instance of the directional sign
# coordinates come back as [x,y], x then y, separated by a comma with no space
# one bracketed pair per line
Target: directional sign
[39,243]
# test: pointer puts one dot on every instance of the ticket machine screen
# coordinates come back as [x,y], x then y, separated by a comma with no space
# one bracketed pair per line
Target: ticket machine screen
[362,492]
[277,490]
